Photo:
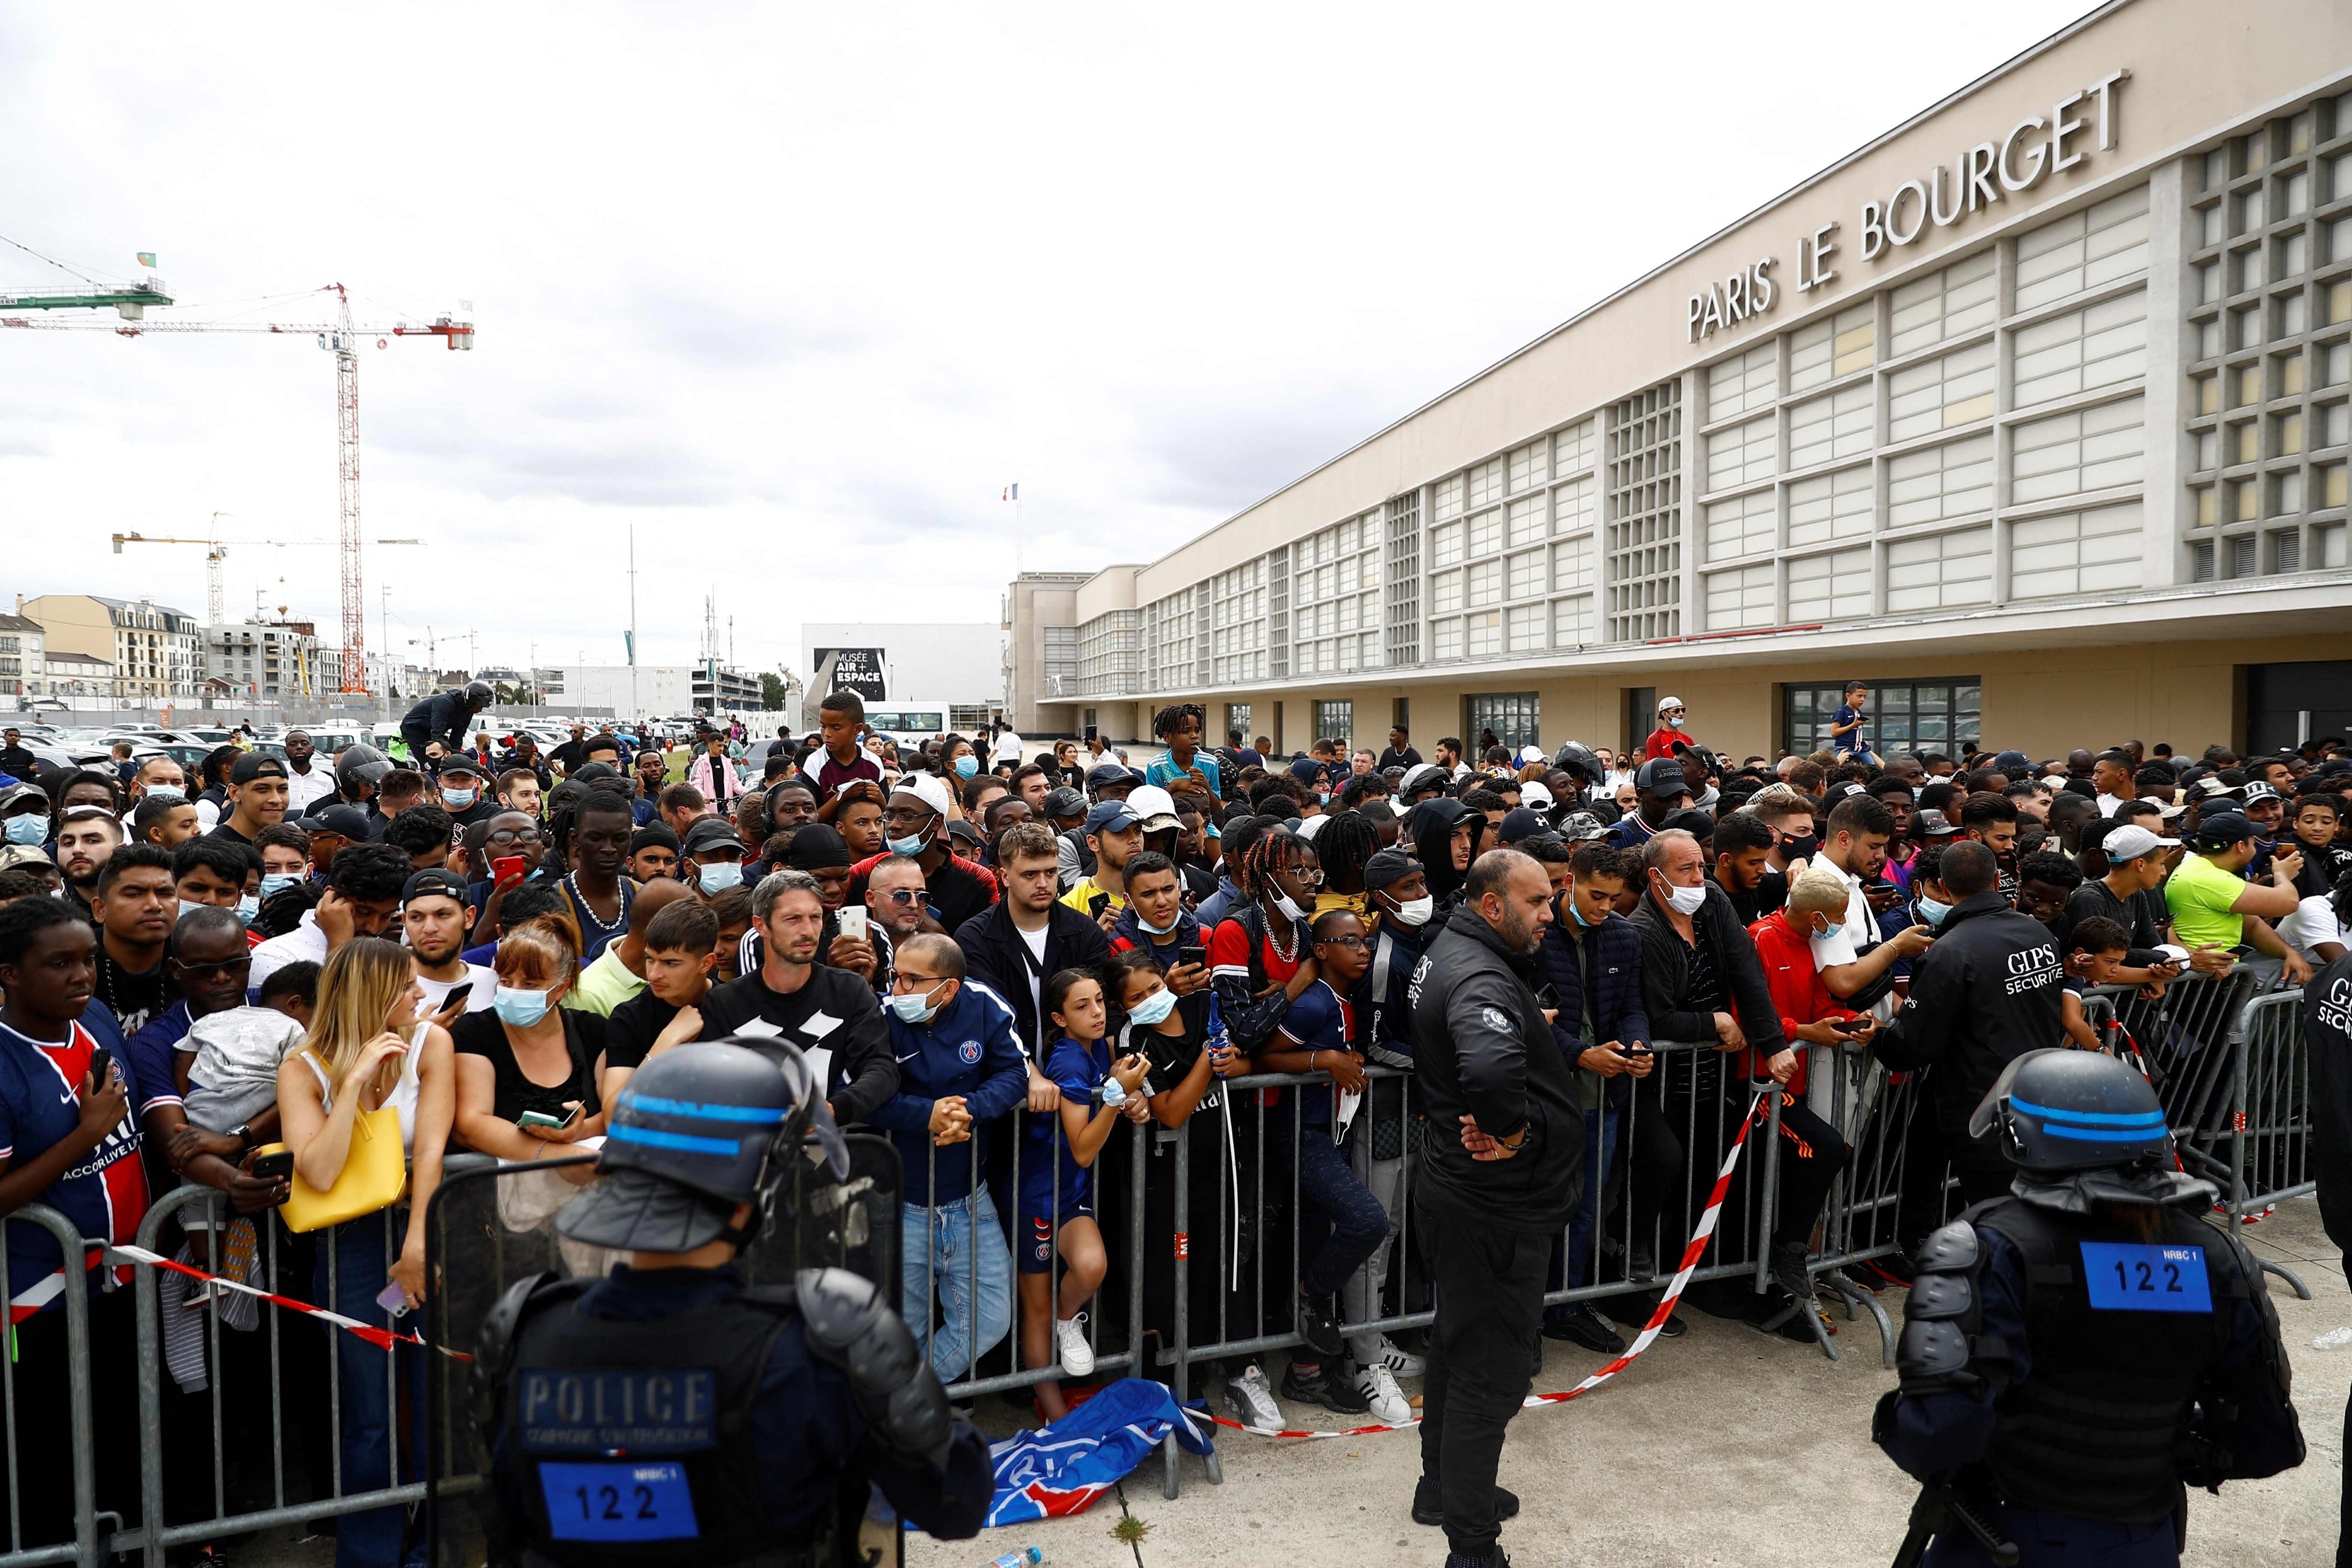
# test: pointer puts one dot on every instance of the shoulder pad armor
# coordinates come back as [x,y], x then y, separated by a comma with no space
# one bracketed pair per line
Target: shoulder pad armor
[1937,1351]
[494,1345]
[1952,1247]
[850,1327]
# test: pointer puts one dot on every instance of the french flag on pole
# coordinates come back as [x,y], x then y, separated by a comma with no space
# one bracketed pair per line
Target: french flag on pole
[1012,492]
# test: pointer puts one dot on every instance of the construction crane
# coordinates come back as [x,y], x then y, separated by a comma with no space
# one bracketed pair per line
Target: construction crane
[340,336]
[217,550]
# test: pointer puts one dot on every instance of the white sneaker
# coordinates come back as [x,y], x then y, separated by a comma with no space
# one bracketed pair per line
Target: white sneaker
[1251,1398]
[1070,1339]
[1401,1362]
[1378,1387]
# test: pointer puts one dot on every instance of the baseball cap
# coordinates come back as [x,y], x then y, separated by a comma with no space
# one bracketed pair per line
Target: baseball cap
[1666,702]
[1929,823]
[2259,791]
[2219,833]
[252,765]
[590,773]
[1386,866]
[1522,822]
[1065,802]
[2009,760]
[84,812]
[434,883]
[341,819]
[1154,808]
[705,834]
[929,788]
[1103,775]
[1532,793]
[2131,841]
[16,798]
[1582,828]
[1112,815]
[1662,777]
[21,855]
[458,763]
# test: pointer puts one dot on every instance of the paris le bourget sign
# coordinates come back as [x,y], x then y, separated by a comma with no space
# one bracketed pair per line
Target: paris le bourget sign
[2036,148]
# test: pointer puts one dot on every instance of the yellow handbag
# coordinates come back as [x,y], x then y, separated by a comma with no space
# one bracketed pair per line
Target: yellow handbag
[375,1176]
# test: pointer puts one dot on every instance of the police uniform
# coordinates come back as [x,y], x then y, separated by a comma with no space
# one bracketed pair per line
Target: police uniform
[2075,1353]
[680,1417]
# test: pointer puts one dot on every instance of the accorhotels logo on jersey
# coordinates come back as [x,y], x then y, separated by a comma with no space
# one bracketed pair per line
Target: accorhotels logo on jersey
[2031,969]
[2036,147]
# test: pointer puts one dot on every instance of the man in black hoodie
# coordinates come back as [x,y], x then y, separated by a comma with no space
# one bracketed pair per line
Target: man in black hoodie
[1986,993]
[1498,1180]
[1445,836]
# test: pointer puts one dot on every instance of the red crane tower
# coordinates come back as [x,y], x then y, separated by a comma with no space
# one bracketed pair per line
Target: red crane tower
[340,335]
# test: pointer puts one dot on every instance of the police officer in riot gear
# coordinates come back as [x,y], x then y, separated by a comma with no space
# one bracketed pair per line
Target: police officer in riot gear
[2075,1352]
[671,1415]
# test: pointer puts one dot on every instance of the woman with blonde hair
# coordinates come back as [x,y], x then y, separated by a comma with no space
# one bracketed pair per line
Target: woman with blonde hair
[527,1066]
[371,1046]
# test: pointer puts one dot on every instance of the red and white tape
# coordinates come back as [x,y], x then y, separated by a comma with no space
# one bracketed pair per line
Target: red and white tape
[383,1339]
[1642,1341]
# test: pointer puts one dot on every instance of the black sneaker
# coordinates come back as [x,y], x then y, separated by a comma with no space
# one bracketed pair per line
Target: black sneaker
[1579,1324]
[1494,1559]
[1635,1311]
[1428,1508]
[1326,1387]
[1788,1270]
[1319,1327]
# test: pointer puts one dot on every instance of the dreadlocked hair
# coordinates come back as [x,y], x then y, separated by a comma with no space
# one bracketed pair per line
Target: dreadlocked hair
[1263,859]
[1168,720]
[1343,844]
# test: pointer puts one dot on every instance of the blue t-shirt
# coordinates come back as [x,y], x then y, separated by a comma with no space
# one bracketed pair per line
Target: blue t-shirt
[1854,741]
[1077,1071]
[1318,1019]
[1165,771]
[151,1051]
[103,1195]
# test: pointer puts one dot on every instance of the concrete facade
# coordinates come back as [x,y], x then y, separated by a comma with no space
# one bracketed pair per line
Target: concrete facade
[2062,361]
[151,648]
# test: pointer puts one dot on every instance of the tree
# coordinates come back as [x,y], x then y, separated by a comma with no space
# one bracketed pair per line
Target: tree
[776,688]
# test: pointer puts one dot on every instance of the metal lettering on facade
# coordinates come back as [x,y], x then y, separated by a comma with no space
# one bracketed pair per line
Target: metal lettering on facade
[2034,149]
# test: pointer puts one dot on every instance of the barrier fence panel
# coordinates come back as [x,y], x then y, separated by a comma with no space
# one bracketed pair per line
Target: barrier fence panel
[2186,1039]
[2270,1116]
[89,1541]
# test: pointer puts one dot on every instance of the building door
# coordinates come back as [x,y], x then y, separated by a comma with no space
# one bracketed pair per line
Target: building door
[1510,716]
[2287,704]
[1906,716]
[1641,718]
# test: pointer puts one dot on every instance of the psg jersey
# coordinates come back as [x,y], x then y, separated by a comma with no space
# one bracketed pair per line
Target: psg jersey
[103,1194]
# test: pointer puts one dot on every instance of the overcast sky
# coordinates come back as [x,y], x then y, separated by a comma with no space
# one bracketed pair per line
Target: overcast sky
[798,290]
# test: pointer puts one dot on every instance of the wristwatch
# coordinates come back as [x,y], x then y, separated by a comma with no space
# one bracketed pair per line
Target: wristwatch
[243,1134]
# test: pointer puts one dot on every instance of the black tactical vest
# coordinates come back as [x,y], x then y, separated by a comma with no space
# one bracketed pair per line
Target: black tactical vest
[630,1443]
[2120,1337]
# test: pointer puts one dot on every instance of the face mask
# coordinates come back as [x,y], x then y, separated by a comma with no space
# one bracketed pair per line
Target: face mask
[1577,914]
[1803,848]
[719,876]
[965,766]
[1323,796]
[912,845]
[248,906]
[458,799]
[278,882]
[1930,911]
[520,1008]
[1160,931]
[1674,723]
[915,1007]
[1416,911]
[1282,901]
[1154,1008]
[31,828]
[187,904]
[1684,901]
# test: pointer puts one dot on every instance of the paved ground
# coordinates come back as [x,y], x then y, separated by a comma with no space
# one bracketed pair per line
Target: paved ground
[1724,1446]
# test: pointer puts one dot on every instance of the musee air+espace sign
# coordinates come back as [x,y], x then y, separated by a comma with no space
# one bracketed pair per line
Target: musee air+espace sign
[2034,149]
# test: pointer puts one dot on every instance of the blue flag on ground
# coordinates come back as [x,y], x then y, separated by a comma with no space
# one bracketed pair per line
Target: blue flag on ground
[1061,1469]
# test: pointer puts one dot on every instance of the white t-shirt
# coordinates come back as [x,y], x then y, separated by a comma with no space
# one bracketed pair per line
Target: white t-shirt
[485,992]
[1007,748]
[2107,804]
[1035,943]
[1844,942]
[2313,923]
[305,942]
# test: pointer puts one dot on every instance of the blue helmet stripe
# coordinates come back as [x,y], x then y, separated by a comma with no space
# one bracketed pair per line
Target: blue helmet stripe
[685,1143]
[2152,1121]
[757,1115]
[2088,1135]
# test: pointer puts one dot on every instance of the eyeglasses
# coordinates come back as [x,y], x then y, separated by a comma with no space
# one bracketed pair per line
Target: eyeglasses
[902,977]
[1357,942]
[225,966]
[907,818]
[505,835]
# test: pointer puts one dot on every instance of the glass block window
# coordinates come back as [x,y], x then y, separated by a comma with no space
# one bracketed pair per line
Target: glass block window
[1277,612]
[1742,453]
[1644,514]
[1524,521]
[1110,657]
[1747,526]
[1935,482]
[1836,425]
[1511,717]
[1573,507]
[1949,304]
[1485,532]
[2084,250]
[1524,575]
[1830,505]
[2087,450]
[1486,484]
[1832,587]
[1571,451]
[1336,598]
[1401,584]
[1745,382]
[1940,572]
[1839,345]
[2094,347]
[1485,583]
[1483,635]
[1335,719]
[1237,619]
[1168,630]
[1445,593]
[1741,597]
[1448,501]
[1934,394]
[2075,553]
[1571,564]
[1446,544]
[1238,719]
[1571,621]
[1911,717]
[1524,629]
[1529,466]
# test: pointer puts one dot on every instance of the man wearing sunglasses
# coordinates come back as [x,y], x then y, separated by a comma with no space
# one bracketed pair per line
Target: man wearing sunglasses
[914,822]
[896,905]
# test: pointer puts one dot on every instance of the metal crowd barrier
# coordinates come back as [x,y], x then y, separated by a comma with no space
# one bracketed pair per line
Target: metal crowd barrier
[2187,1038]
[88,1544]
[2270,1115]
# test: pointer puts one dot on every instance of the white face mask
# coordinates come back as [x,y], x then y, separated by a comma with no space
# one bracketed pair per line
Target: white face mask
[1415,911]
[1283,902]
[1684,901]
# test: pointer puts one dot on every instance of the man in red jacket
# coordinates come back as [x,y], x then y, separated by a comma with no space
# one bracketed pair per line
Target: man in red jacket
[1669,732]
[1811,1150]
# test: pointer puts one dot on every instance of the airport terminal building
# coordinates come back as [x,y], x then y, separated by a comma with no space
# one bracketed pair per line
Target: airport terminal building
[2034,413]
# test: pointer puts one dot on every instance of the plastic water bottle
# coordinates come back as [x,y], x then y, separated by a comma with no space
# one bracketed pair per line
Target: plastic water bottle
[2333,1339]
[1027,1557]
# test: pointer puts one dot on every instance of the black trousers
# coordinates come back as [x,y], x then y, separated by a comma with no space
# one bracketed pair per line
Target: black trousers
[1811,1154]
[1482,1353]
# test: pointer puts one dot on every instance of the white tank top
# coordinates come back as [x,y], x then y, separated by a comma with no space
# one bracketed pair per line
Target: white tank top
[402,1097]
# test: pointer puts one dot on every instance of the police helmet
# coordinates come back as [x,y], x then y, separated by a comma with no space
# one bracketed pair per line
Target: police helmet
[361,764]
[2073,1111]
[1575,757]
[478,694]
[698,1131]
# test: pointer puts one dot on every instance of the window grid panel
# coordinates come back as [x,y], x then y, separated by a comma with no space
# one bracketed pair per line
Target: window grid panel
[1742,454]
[1742,527]
[1951,389]
[1401,585]
[1645,513]
[1831,507]
[1947,304]
[1838,346]
[1831,587]
[1571,451]
[2075,553]
[1527,466]
[2096,346]
[1935,482]
[2090,449]
[1571,621]
[1939,572]
[1837,425]
[2084,250]
[1572,508]
[1742,597]
[1512,717]
[1743,384]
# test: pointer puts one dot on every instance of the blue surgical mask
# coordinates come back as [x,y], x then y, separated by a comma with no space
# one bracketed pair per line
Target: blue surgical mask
[248,906]
[276,882]
[913,1006]
[519,1007]
[187,904]
[719,876]
[911,844]
[1161,931]
[29,827]
[1930,911]
[1574,913]
[1154,1008]
[966,765]
[1674,723]
[458,799]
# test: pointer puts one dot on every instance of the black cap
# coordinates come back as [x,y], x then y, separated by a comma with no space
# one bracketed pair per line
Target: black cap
[590,773]
[1386,866]
[1522,822]
[252,765]
[1065,802]
[1662,777]
[816,846]
[458,763]
[1104,774]
[434,883]
[2216,834]
[344,819]
[705,834]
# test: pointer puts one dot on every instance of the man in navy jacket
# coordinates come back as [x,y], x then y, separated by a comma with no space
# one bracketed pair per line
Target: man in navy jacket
[959,1068]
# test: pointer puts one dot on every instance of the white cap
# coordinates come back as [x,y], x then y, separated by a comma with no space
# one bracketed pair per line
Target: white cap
[1666,702]
[1534,795]
[1531,753]
[930,788]
[2131,841]
[1309,827]
[1155,808]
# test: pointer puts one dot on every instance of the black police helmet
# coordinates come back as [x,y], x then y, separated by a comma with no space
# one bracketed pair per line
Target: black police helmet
[478,693]
[362,764]
[1575,757]
[698,1131]
[2073,1111]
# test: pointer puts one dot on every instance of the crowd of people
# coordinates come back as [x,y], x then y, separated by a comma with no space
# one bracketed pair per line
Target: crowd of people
[996,956]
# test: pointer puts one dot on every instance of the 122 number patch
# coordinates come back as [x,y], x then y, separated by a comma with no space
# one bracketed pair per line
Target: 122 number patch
[617,1500]
[2127,1276]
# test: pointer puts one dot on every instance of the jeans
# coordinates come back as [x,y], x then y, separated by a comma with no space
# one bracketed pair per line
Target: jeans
[962,1257]
[371,1538]
[1385,1180]
[1359,1224]
[1599,1149]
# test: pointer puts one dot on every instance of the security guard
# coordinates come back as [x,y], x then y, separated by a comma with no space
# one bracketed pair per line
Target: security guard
[669,1415]
[2073,1352]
